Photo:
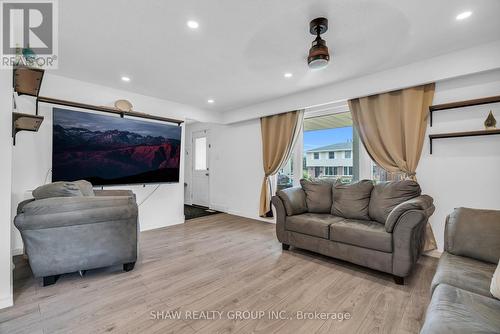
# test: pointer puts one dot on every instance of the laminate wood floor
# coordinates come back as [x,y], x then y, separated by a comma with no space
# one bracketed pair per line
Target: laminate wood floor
[220,263]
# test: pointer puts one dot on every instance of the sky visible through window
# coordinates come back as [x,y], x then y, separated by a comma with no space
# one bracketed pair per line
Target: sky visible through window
[318,138]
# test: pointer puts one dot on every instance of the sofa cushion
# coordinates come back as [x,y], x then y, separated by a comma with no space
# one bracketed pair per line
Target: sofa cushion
[474,233]
[294,200]
[456,311]
[314,224]
[57,189]
[362,233]
[318,195]
[86,188]
[352,200]
[464,273]
[385,196]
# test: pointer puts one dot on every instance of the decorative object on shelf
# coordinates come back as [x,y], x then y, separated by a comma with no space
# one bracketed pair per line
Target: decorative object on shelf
[318,53]
[490,122]
[462,104]
[123,105]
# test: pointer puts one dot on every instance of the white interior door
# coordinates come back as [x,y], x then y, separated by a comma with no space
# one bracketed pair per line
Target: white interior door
[200,172]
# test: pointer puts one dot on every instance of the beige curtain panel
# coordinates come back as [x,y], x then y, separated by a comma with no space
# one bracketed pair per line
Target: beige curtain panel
[392,128]
[279,134]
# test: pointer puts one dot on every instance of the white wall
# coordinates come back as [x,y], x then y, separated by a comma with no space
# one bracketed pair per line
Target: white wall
[462,171]
[5,187]
[235,164]
[33,151]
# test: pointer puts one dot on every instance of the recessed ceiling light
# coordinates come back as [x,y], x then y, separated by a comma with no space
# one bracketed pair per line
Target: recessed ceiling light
[288,75]
[464,15]
[193,24]
[211,101]
[126,79]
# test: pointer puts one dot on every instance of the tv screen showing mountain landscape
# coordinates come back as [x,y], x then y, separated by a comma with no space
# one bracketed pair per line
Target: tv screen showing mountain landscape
[112,150]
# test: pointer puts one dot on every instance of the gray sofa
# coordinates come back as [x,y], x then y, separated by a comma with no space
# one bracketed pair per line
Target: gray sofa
[461,300]
[378,226]
[77,230]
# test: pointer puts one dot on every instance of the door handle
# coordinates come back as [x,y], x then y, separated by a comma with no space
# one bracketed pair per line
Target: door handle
[206,174]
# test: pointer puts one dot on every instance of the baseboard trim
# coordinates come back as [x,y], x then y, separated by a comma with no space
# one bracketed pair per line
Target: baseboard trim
[6,302]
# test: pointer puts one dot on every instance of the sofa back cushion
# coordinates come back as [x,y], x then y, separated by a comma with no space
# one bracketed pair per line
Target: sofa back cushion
[387,195]
[318,195]
[352,200]
[473,233]
[57,189]
[294,200]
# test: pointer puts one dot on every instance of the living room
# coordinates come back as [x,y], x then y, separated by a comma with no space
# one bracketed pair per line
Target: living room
[339,160]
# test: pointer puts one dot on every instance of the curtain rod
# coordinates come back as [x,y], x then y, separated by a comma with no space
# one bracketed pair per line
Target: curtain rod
[104,109]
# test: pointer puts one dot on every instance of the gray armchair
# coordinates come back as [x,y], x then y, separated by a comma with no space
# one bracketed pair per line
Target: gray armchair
[68,234]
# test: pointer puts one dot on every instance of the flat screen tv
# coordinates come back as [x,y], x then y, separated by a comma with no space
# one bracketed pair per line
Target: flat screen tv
[107,150]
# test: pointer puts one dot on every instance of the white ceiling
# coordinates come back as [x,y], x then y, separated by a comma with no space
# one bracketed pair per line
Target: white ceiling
[242,48]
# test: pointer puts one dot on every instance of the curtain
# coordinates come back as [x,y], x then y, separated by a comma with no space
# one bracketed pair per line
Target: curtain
[279,134]
[392,129]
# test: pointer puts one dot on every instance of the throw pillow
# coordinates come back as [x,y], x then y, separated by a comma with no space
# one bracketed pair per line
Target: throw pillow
[85,187]
[352,200]
[57,189]
[495,283]
[318,195]
[387,195]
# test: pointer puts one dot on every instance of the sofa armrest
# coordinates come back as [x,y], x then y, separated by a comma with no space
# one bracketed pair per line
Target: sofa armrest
[422,202]
[408,240]
[473,233]
[70,211]
[294,200]
[280,217]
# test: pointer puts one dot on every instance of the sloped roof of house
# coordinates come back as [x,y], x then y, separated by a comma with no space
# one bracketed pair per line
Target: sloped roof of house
[333,147]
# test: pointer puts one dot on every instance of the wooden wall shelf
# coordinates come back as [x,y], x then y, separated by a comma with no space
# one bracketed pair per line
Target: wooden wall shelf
[104,109]
[461,104]
[25,122]
[27,80]
[462,134]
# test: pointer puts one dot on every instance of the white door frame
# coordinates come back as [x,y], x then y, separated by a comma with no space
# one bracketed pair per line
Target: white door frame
[194,172]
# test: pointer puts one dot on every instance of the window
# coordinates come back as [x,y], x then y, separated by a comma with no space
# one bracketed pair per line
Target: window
[200,149]
[348,171]
[327,133]
[348,154]
[381,175]
[285,176]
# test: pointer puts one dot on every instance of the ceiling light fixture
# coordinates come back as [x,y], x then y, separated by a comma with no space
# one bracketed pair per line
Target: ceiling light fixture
[126,79]
[193,24]
[288,75]
[463,16]
[318,53]
[211,101]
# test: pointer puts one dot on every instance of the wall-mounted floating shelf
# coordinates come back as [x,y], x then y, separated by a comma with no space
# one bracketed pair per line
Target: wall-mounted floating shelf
[462,134]
[25,122]
[461,104]
[27,80]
